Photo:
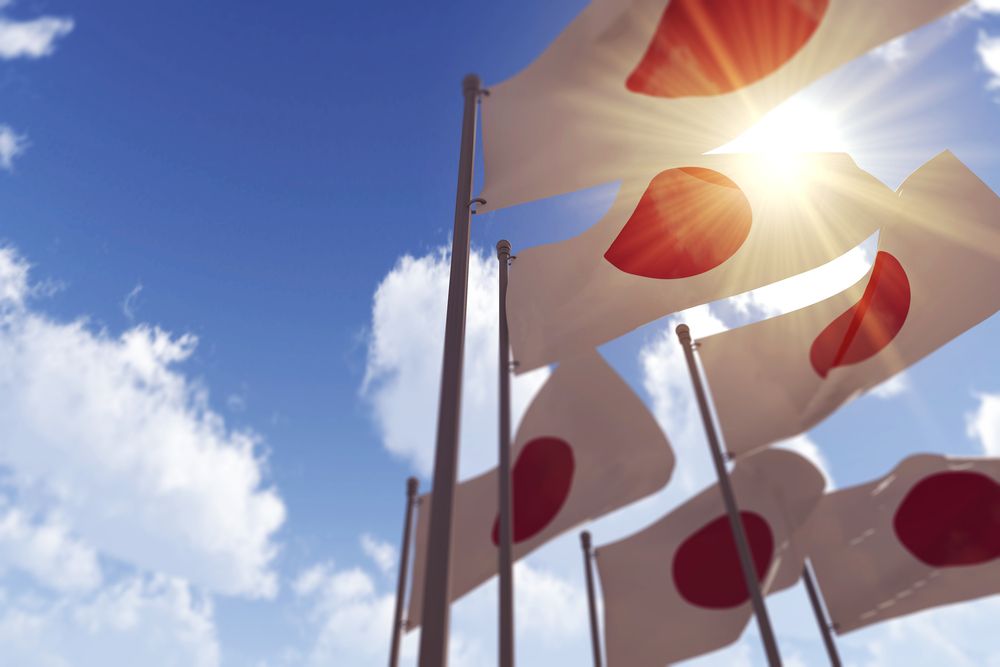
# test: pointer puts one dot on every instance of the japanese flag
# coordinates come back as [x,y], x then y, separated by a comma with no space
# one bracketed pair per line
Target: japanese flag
[676,590]
[718,226]
[934,277]
[631,85]
[925,535]
[586,446]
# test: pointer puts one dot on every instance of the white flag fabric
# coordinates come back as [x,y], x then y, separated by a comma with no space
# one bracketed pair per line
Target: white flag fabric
[933,278]
[630,83]
[586,446]
[720,226]
[676,590]
[925,535]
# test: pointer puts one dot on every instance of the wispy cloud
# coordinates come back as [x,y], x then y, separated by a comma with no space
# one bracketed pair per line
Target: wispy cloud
[988,48]
[129,303]
[12,145]
[893,52]
[984,424]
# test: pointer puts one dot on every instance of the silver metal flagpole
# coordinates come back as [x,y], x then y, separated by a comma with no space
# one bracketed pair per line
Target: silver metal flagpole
[729,499]
[588,555]
[404,560]
[506,566]
[821,619]
[436,611]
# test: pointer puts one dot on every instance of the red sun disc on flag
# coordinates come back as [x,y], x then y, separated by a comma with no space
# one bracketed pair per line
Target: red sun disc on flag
[688,221]
[706,567]
[710,47]
[867,327]
[951,519]
[540,481]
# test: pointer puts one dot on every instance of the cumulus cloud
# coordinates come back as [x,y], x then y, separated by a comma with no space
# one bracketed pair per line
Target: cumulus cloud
[12,145]
[34,38]
[988,6]
[158,621]
[46,550]
[352,618]
[107,435]
[984,424]
[403,374]
[352,621]
[548,608]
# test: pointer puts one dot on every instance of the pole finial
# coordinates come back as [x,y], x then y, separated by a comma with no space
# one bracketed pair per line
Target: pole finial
[412,486]
[585,540]
[684,333]
[471,83]
[503,248]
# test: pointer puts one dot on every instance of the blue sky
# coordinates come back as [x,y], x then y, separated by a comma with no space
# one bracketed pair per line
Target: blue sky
[210,471]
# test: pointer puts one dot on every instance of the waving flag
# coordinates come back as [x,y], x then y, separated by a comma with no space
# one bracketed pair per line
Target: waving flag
[587,446]
[720,226]
[927,534]
[676,590]
[934,277]
[632,82]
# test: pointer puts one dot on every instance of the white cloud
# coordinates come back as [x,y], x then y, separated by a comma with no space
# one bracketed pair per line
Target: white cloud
[403,375]
[106,434]
[12,145]
[984,423]
[352,620]
[32,39]
[989,6]
[157,621]
[952,635]
[382,553]
[893,387]
[25,39]
[548,608]
[988,48]
[130,302]
[892,52]
[46,550]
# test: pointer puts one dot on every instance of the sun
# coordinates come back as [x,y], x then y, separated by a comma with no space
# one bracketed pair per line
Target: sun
[787,132]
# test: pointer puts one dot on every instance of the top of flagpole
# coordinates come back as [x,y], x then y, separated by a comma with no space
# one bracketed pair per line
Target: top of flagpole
[471,83]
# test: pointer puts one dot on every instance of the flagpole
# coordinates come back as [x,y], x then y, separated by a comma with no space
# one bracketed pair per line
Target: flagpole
[506,567]
[436,611]
[729,499]
[588,555]
[821,619]
[404,560]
